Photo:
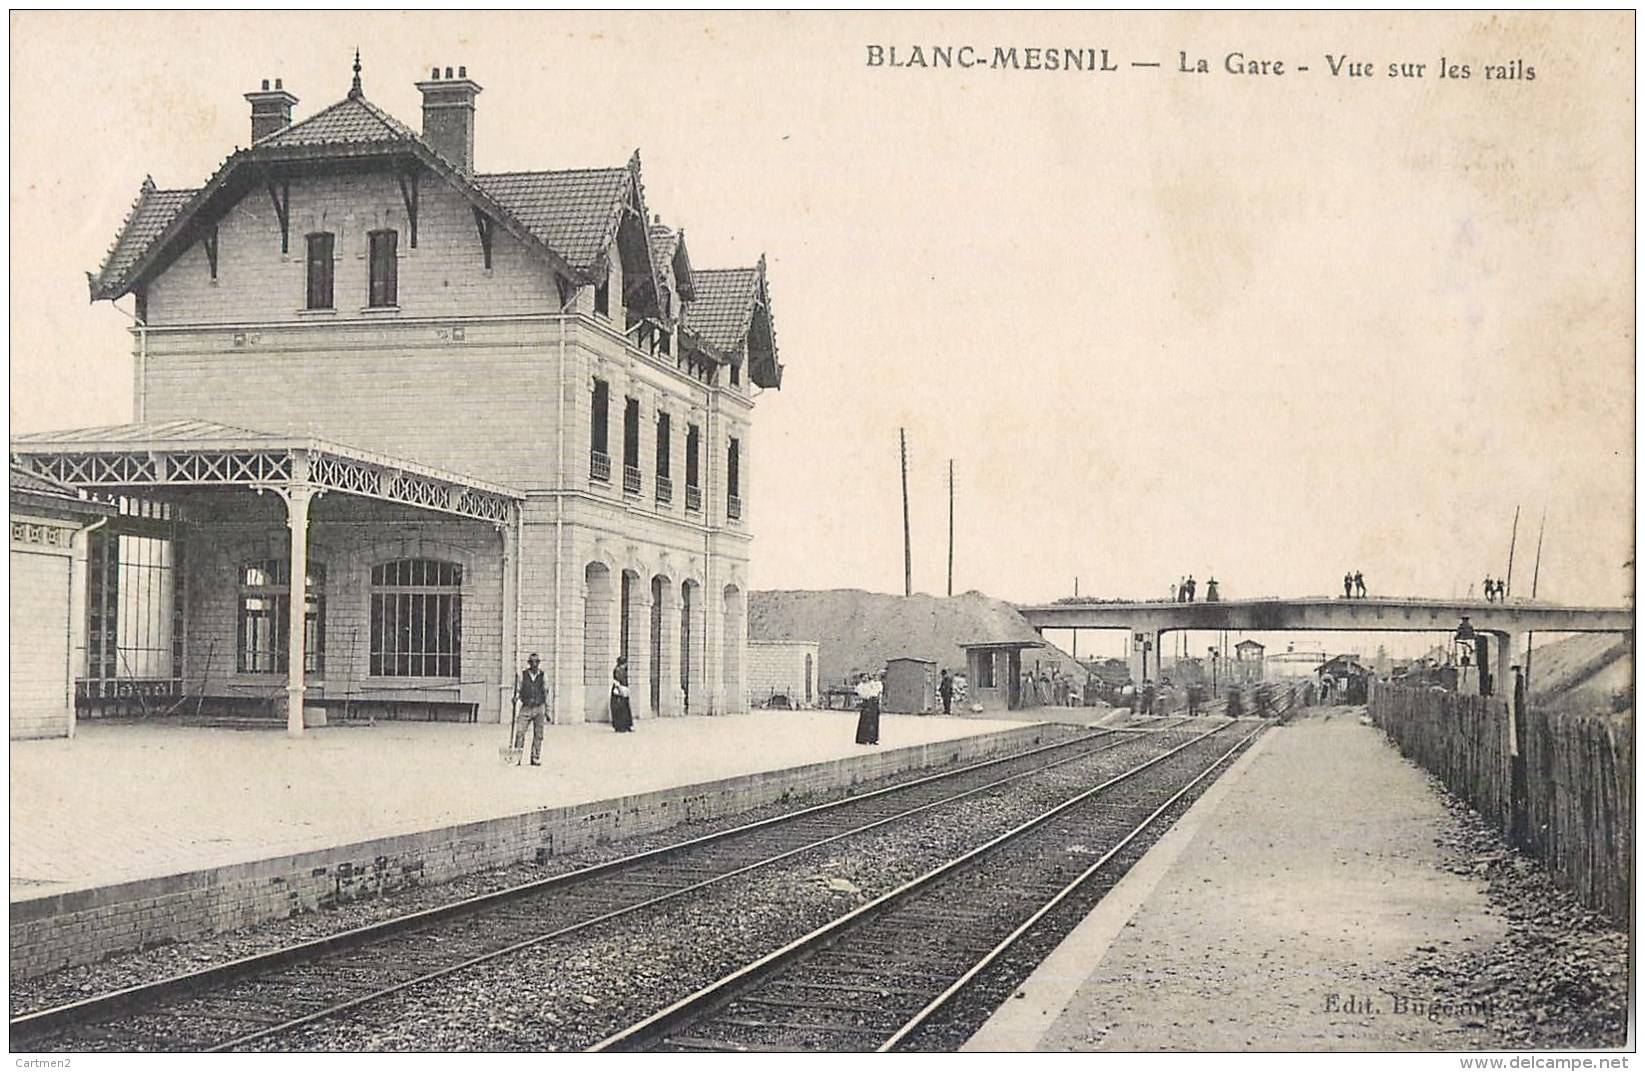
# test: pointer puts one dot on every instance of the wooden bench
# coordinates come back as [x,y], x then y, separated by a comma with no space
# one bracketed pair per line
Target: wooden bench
[400,704]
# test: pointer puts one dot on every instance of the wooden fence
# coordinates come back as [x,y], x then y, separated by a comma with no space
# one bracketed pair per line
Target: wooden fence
[1574,809]
[1462,739]
[1579,815]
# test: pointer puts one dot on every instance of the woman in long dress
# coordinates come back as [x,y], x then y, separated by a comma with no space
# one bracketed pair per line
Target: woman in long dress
[868,708]
[622,716]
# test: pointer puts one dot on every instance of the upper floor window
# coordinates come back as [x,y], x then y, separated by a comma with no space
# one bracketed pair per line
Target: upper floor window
[599,456]
[733,486]
[385,269]
[631,446]
[321,269]
[693,439]
[736,374]
[665,486]
[664,435]
[693,469]
[602,298]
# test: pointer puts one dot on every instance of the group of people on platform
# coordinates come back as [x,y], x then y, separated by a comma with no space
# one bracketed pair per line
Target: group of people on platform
[1183,591]
[1495,590]
[1051,688]
[1353,585]
[531,694]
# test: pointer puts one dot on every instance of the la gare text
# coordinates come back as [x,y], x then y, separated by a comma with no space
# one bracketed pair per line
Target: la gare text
[1102,60]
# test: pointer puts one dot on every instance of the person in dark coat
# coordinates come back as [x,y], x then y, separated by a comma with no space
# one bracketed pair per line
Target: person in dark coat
[945,689]
[868,712]
[622,716]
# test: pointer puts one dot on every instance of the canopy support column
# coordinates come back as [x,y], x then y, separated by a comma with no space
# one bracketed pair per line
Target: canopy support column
[510,660]
[297,495]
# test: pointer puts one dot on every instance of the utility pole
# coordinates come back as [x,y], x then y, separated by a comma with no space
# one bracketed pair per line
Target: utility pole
[1508,585]
[1076,628]
[951,527]
[907,547]
[1536,572]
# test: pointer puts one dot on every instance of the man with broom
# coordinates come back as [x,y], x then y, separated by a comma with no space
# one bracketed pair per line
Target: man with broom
[532,694]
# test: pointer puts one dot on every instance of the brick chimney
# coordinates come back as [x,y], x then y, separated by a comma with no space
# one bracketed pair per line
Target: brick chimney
[448,116]
[270,110]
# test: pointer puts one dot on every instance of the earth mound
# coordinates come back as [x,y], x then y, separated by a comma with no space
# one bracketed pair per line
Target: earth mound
[857,631]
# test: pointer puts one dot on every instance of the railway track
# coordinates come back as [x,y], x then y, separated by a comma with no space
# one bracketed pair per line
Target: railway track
[259,1001]
[901,971]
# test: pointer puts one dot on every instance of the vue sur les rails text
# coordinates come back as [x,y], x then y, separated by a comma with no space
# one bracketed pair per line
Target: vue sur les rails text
[1102,60]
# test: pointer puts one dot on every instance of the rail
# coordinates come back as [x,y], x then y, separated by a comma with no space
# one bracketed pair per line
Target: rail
[970,780]
[662,1027]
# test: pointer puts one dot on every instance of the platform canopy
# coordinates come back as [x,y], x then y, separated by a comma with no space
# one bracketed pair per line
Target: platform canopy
[200,454]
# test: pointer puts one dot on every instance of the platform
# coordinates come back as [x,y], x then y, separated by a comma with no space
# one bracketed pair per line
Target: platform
[136,833]
[1282,912]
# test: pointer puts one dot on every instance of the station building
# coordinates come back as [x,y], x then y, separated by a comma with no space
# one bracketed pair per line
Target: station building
[477,415]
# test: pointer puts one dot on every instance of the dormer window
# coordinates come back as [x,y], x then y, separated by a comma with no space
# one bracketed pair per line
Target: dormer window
[385,269]
[320,269]
[602,298]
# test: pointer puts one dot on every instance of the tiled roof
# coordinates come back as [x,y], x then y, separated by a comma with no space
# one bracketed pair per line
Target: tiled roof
[153,211]
[576,217]
[574,213]
[671,258]
[724,307]
[664,241]
[351,121]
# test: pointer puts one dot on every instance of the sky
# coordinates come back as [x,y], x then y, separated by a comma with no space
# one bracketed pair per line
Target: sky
[1266,328]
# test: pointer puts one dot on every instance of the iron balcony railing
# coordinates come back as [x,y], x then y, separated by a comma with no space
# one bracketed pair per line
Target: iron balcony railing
[693,499]
[733,507]
[665,490]
[631,480]
[599,466]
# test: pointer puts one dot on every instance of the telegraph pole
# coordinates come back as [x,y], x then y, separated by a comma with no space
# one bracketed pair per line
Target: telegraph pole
[1536,572]
[951,526]
[907,548]
[1076,628]
[1508,584]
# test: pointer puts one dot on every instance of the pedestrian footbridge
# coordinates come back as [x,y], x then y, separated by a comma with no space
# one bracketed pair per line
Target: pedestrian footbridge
[1505,622]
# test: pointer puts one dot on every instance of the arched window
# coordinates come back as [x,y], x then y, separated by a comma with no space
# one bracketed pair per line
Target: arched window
[416,618]
[261,643]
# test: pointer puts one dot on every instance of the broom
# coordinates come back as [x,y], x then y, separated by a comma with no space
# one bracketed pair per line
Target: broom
[510,752]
